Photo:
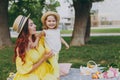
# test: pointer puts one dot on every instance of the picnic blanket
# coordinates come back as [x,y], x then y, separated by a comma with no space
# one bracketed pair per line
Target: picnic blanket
[74,74]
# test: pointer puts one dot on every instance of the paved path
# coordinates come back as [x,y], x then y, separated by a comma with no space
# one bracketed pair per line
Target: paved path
[15,34]
[97,34]
[74,74]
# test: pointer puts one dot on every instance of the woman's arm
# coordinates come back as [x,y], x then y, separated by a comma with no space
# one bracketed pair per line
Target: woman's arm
[65,43]
[28,66]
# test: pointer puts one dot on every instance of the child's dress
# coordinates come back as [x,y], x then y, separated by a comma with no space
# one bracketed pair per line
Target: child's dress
[53,41]
[43,72]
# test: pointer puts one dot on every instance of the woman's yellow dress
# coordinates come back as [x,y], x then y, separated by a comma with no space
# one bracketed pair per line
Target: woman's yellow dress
[43,72]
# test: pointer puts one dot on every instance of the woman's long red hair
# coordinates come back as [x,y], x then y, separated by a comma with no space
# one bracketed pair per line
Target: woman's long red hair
[22,42]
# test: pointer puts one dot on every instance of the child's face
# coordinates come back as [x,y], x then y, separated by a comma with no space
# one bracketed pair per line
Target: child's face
[51,22]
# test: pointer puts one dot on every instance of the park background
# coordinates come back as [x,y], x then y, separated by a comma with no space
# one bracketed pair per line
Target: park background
[101,19]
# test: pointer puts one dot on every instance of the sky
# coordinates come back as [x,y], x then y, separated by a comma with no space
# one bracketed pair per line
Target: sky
[108,8]
[63,10]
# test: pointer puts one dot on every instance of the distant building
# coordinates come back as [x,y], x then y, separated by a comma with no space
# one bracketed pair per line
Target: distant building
[105,21]
[115,22]
[101,20]
[94,18]
[66,12]
[108,13]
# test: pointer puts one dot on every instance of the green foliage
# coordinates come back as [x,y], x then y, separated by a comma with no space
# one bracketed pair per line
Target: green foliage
[25,7]
[33,7]
[89,0]
[114,65]
[50,5]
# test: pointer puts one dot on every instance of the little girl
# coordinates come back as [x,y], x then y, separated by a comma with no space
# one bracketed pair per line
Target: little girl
[53,38]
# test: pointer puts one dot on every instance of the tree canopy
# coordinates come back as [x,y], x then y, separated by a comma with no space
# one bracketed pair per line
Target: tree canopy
[25,7]
[50,5]
[89,0]
[33,7]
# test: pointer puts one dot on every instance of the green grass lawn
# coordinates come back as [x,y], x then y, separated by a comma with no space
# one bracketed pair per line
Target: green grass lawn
[109,30]
[103,50]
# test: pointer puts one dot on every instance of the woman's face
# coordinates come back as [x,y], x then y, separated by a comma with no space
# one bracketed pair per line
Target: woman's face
[51,22]
[31,27]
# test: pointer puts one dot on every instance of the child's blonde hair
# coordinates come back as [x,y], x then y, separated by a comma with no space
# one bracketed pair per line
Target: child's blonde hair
[50,13]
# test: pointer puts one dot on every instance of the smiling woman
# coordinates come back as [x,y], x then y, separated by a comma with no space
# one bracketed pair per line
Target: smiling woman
[31,63]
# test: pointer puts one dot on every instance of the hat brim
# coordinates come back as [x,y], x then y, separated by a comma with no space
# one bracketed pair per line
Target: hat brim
[49,13]
[24,23]
[19,23]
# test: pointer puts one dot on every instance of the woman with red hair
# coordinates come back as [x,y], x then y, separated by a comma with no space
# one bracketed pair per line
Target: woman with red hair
[31,63]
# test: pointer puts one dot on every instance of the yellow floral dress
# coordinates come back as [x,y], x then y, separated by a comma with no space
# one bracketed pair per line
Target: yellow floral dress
[43,72]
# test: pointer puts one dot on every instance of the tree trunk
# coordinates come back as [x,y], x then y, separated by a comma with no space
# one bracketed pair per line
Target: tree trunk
[4,29]
[87,33]
[82,10]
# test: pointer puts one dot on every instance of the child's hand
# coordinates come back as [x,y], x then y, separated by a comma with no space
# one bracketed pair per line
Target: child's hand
[33,45]
[67,46]
[37,35]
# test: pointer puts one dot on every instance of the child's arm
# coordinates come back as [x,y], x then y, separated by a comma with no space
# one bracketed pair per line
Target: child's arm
[38,36]
[65,43]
